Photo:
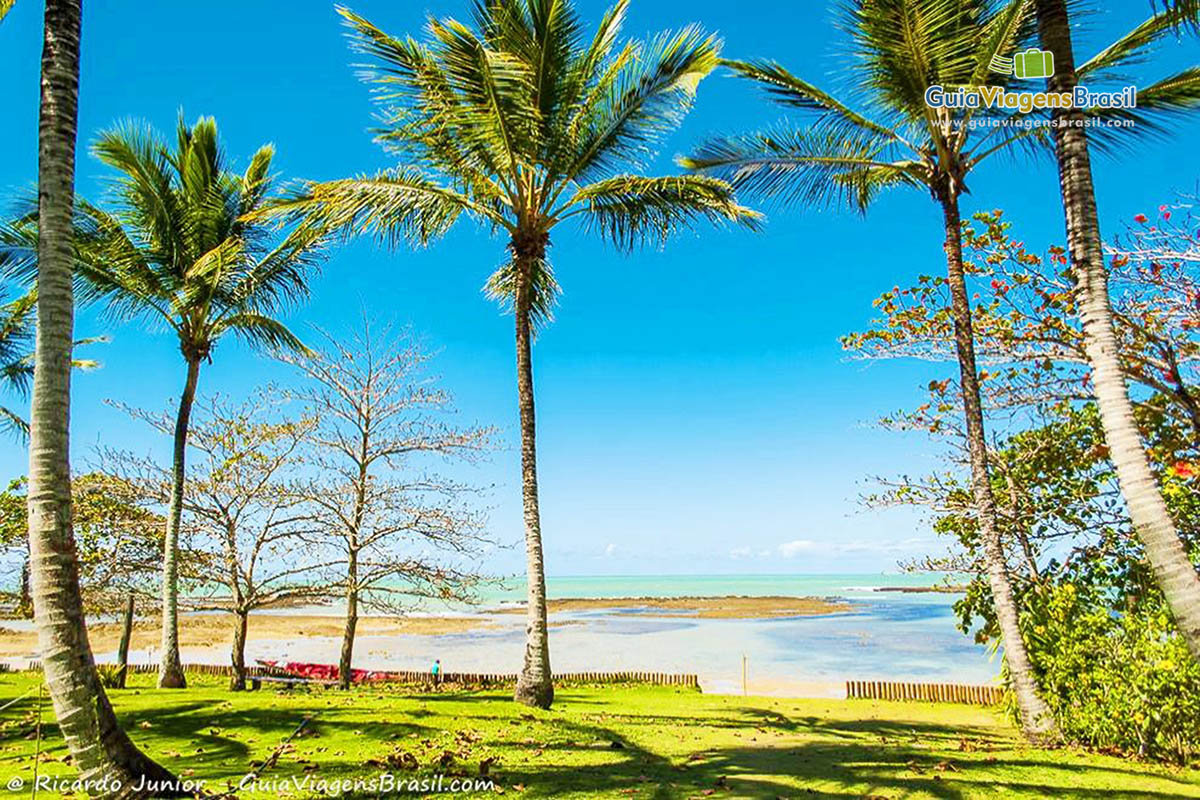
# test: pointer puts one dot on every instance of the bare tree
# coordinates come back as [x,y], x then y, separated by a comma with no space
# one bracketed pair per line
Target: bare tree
[401,531]
[248,526]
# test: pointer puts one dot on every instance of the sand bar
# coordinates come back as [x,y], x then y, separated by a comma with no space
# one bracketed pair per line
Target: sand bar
[701,607]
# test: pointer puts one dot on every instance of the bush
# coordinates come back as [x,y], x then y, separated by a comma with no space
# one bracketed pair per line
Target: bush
[112,676]
[1117,680]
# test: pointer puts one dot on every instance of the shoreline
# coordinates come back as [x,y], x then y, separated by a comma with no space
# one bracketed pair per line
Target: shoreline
[211,630]
[790,646]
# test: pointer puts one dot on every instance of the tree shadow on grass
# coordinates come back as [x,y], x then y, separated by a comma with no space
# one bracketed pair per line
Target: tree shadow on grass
[626,750]
[823,770]
[221,745]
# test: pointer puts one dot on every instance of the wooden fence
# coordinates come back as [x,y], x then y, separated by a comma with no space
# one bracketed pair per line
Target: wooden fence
[482,679]
[932,692]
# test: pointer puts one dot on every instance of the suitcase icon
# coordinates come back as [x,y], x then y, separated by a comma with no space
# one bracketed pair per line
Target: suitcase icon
[1033,63]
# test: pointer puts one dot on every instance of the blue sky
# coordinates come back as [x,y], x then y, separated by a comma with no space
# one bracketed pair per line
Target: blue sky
[696,413]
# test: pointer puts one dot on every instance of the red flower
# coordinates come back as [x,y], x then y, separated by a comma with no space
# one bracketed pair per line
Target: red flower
[1139,218]
[1184,470]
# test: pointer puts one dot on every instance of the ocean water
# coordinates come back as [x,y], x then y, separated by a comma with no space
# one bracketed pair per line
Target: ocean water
[849,586]
[886,636]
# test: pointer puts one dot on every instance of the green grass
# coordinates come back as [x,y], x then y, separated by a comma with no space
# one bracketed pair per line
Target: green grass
[646,742]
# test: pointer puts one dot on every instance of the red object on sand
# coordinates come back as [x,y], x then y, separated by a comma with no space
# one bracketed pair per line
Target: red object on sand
[327,672]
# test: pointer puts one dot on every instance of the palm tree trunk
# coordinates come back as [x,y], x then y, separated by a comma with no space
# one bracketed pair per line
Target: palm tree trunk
[170,670]
[1174,572]
[237,651]
[1037,722]
[535,685]
[99,749]
[345,662]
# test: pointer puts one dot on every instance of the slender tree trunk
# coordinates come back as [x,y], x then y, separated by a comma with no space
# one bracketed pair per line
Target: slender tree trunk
[123,647]
[170,670]
[99,749]
[25,600]
[1173,570]
[535,686]
[1036,719]
[237,655]
[345,663]
[237,652]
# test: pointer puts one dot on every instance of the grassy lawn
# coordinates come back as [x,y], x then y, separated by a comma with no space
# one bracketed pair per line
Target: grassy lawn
[646,742]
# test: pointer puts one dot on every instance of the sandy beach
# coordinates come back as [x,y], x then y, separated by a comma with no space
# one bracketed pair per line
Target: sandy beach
[211,631]
[791,645]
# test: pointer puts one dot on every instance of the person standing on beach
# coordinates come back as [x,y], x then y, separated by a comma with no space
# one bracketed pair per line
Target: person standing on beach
[437,670]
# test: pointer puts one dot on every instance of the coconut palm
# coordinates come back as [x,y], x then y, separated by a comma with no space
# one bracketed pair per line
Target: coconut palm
[1173,570]
[5,7]
[99,748]
[522,122]
[848,156]
[178,251]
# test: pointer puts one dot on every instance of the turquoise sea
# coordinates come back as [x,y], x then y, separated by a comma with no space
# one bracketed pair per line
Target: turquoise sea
[850,586]
[886,636]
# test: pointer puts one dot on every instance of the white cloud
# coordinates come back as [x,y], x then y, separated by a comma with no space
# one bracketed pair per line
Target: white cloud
[798,547]
[610,550]
[740,552]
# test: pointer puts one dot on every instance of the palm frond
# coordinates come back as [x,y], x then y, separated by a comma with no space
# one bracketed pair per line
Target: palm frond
[810,166]
[496,116]
[398,205]
[1187,11]
[261,331]
[1132,48]
[12,424]
[1010,26]
[501,286]
[904,47]
[788,90]
[1159,106]
[630,210]
[625,115]
[17,326]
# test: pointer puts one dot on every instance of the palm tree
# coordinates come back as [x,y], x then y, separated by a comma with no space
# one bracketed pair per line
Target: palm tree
[5,7]
[179,251]
[99,748]
[847,157]
[1173,570]
[522,122]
